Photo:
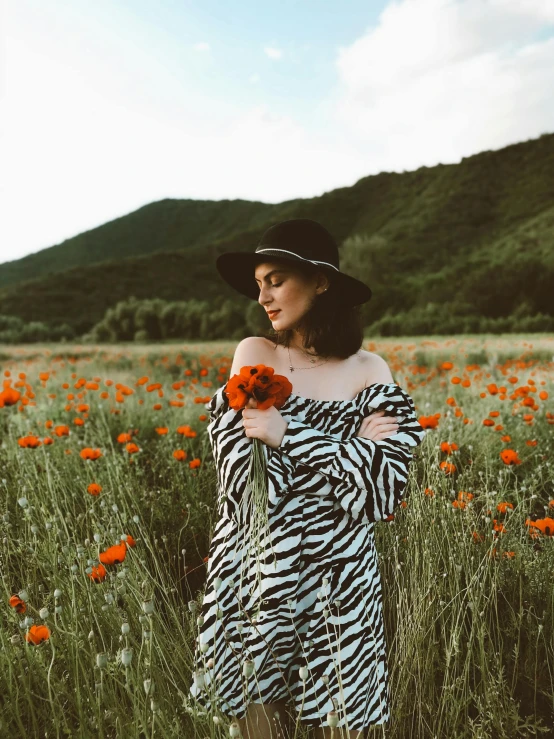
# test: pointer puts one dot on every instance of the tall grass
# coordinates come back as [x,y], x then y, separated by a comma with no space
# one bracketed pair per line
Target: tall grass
[467,590]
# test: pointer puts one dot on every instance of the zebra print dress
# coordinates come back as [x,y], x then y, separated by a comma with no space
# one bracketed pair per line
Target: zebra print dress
[318,602]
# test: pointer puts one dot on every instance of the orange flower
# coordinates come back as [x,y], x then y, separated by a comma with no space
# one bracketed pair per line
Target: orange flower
[447,467]
[61,430]
[124,438]
[186,431]
[510,456]
[195,463]
[180,455]
[429,422]
[488,422]
[429,492]
[530,442]
[446,365]
[448,448]
[9,396]
[129,541]
[19,605]
[94,488]
[544,525]
[131,448]
[492,388]
[259,382]
[161,430]
[502,507]
[37,634]
[498,526]
[89,453]
[31,441]
[506,438]
[113,555]
[98,574]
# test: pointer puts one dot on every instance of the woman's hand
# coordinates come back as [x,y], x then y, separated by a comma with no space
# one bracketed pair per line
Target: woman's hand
[267,425]
[377,426]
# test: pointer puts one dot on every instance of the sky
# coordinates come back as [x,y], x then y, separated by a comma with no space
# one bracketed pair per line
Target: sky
[106,106]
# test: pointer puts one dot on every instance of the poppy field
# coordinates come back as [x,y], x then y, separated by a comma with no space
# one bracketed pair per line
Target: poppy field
[107,505]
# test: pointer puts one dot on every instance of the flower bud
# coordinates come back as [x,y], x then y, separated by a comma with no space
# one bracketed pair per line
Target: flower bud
[148,606]
[248,667]
[303,673]
[332,719]
[125,628]
[44,613]
[126,656]
[23,594]
[102,660]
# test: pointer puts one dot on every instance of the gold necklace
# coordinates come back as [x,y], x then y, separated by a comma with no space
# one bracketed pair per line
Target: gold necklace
[291,368]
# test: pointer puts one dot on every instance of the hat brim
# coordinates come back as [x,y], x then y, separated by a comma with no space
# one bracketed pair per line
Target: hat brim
[237,269]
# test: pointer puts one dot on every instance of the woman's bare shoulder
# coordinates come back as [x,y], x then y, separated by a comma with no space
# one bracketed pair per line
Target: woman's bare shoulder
[376,368]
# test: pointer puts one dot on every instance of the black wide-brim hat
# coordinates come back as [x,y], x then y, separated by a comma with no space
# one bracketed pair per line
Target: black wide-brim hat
[295,240]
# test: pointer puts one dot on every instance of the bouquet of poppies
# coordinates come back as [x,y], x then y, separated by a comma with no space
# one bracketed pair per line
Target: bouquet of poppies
[261,383]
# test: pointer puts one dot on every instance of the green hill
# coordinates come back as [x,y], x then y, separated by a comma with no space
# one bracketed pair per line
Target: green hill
[478,235]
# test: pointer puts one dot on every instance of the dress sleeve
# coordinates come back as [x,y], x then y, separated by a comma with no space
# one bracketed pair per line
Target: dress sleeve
[231,450]
[368,477]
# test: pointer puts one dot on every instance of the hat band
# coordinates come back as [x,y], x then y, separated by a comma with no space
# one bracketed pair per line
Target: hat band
[313,261]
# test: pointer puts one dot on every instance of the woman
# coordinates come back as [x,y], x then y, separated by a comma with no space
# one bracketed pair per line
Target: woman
[310,639]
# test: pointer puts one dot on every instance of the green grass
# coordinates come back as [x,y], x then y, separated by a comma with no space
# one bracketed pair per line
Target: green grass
[469,625]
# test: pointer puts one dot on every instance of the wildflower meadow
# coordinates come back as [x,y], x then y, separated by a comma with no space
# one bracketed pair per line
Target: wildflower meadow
[107,505]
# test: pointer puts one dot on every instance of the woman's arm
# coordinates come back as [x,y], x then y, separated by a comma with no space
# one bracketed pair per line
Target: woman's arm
[368,477]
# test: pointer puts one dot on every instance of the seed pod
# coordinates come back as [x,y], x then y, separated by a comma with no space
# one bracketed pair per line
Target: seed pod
[148,606]
[248,667]
[102,660]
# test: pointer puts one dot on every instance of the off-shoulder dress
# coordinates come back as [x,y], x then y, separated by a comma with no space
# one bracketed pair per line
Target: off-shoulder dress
[318,601]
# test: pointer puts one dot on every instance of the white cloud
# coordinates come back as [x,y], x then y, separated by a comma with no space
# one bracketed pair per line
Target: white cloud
[201,46]
[436,80]
[272,52]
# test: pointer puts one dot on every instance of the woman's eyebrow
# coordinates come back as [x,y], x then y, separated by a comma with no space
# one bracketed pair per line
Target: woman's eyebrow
[273,271]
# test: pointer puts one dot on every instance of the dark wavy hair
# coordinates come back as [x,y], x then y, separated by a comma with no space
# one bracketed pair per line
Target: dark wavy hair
[331,326]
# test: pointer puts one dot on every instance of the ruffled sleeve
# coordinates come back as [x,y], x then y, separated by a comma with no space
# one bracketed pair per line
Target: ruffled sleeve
[368,477]
[231,450]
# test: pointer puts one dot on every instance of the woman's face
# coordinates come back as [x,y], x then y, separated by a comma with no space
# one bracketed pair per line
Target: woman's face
[288,290]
